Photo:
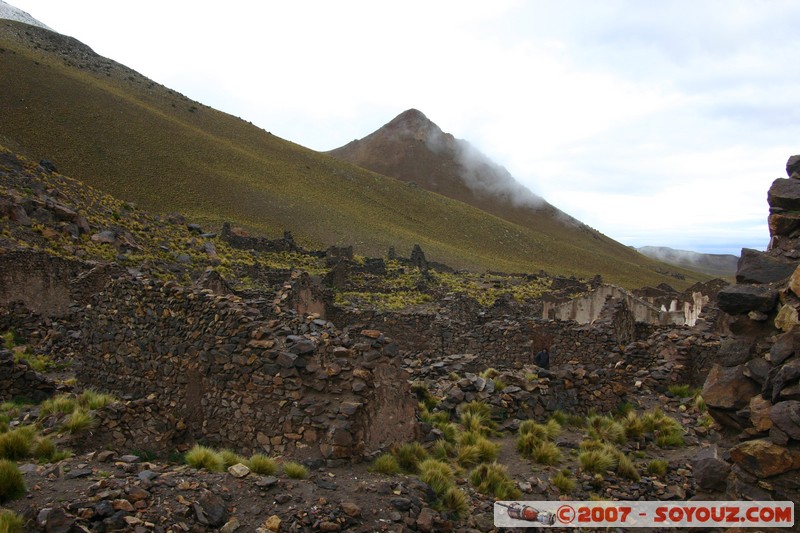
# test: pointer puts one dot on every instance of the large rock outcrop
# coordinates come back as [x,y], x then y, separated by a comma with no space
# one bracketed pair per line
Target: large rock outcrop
[754,387]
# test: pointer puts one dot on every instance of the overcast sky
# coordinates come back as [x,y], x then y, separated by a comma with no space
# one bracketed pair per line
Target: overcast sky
[657,123]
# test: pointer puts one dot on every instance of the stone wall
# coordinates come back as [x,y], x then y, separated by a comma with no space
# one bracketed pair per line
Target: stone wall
[18,380]
[228,377]
[40,281]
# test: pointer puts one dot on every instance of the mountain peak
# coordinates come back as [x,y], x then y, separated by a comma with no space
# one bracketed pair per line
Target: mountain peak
[9,12]
[412,123]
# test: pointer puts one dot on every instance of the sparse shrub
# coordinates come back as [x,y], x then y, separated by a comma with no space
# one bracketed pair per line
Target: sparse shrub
[386,464]
[489,373]
[546,453]
[78,421]
[261,464]
[92,399]
[700,404]
[672,439]
[476,407]
[437,474]
[681,391]
[443,450]
[626,468]
[553,429]
[230,458]
[11,522]
[203,457]
[450,431]
[536,431]
[423,394]
[295,470]
[434,419]
[625,408]
[476,422]
[16,444]
[468,438]
[592,444]
[560,417]
[409,456]
[9,340]
[526,443]
[492,479]
[657,467]
[499,384]
[563,482]
[468,455]
[706,420]
[606,429]
[456,501]
[58,404]
[60,455]
[44,449]
[487,450]
[12,486]
[597,461]
[634,426]
[4,420]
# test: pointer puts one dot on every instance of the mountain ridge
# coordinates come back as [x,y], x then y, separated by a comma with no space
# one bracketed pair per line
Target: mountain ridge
[127,135]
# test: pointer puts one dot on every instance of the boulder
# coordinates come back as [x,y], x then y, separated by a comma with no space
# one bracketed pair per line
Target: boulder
[781,377]
[710,472]
[786,416]
[793,165]
[762,458]
[760,413]
[728,387]
[740,299]
[758,267]
[787,318]
[785,223]
[733,352]
[785,194]
[783,347]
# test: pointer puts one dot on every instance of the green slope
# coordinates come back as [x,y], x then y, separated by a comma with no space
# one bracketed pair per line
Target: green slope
[114,129]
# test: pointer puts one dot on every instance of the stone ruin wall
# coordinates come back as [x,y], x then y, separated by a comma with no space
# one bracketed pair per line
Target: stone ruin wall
[590,367]
[212,370]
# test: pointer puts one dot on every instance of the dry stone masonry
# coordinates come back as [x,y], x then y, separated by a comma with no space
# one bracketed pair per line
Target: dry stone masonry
[221,374]
[754,387]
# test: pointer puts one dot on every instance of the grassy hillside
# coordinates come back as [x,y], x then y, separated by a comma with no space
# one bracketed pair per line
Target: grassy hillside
[114,129]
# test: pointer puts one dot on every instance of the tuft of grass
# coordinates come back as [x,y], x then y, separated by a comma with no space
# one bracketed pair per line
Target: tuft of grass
[487,450]
[468,455]
[605,428]
[681,391]
[455,500]
[91,399]
[671,439]
[626,468]
[450,431]
[563,482]
[597,461]
[560,417]
[261,464]
[62,404]
[12,486]
[203,457]
[78,421]
[475,422]
[546,453]
[409,455]
[634,426]
[437,474]
[295,470]
[492,479]
[60,455]
[700,404]
[499,384]
[16,444]
[657,467]
[44,450]
[537,431]
[11,522]
[443,450]
[476,407]
[468,438]
[423,395]
[230,458]
[386,464]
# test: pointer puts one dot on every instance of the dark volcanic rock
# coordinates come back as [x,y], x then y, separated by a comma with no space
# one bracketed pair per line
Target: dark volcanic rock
[710,472]
[793,165]
[740,299]
[786,415]
[733,352]
[785,194]
[757,267]
[728,387]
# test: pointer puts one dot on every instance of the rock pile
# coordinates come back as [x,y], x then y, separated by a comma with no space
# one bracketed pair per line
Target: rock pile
[18,380]
[754,387]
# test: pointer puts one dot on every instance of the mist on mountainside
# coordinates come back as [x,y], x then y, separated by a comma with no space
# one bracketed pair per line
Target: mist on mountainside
[723,265]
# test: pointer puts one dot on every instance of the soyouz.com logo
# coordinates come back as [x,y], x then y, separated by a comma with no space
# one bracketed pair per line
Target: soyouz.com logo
[643,514]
